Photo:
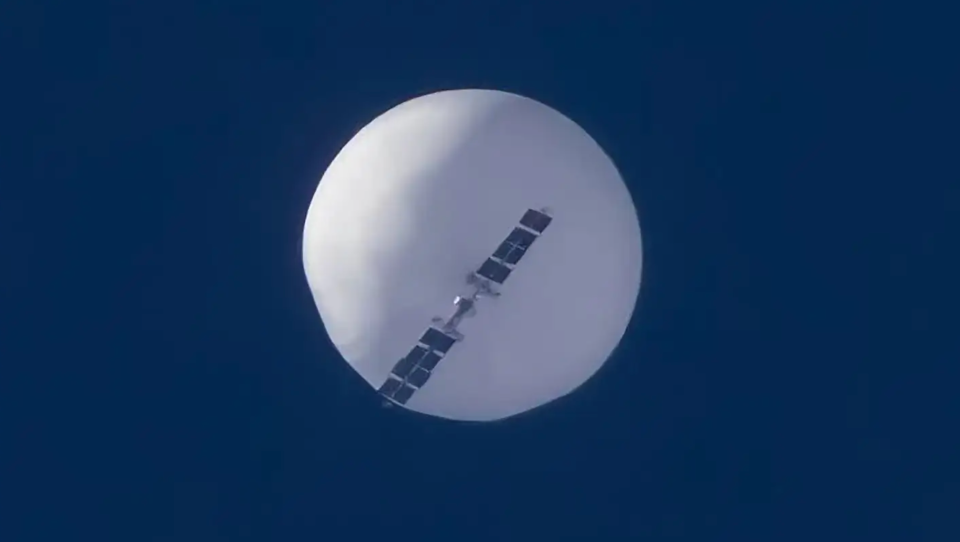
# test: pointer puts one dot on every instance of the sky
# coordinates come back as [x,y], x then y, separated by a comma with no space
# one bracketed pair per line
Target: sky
[787,375]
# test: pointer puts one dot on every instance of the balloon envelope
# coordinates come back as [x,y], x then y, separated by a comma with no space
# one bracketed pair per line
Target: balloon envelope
[421,197]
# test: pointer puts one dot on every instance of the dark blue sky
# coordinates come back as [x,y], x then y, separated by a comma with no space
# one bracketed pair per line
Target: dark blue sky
[786,377]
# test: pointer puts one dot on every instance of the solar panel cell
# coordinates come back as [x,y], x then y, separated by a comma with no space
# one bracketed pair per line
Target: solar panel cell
[408,362]
[390,386]
[493,270]
[536,220]
[403,394]
[430,361]
[437,340]
[418,377]
[521,237]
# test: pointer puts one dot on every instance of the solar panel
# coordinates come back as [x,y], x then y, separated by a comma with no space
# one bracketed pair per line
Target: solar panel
[403,394]
[535,220]
[408,362]
[521,237]
[502,251]
[418,377]
[437,340]
[493,270]
[515,246]
[429,361]
[390,386]
[412,372]
[511,253]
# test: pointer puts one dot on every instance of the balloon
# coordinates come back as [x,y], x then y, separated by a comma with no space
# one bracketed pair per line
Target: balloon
[411,213]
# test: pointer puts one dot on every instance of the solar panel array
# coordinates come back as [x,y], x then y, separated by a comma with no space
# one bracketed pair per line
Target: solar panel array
[413,370]
[499,266]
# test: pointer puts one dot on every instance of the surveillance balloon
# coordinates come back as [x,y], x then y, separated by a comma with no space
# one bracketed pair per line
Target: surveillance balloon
[473,254]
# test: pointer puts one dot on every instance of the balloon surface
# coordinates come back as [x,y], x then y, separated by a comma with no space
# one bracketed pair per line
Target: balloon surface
[420,198]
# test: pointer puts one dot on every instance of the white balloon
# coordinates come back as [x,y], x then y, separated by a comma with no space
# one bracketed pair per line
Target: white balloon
[421,197]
